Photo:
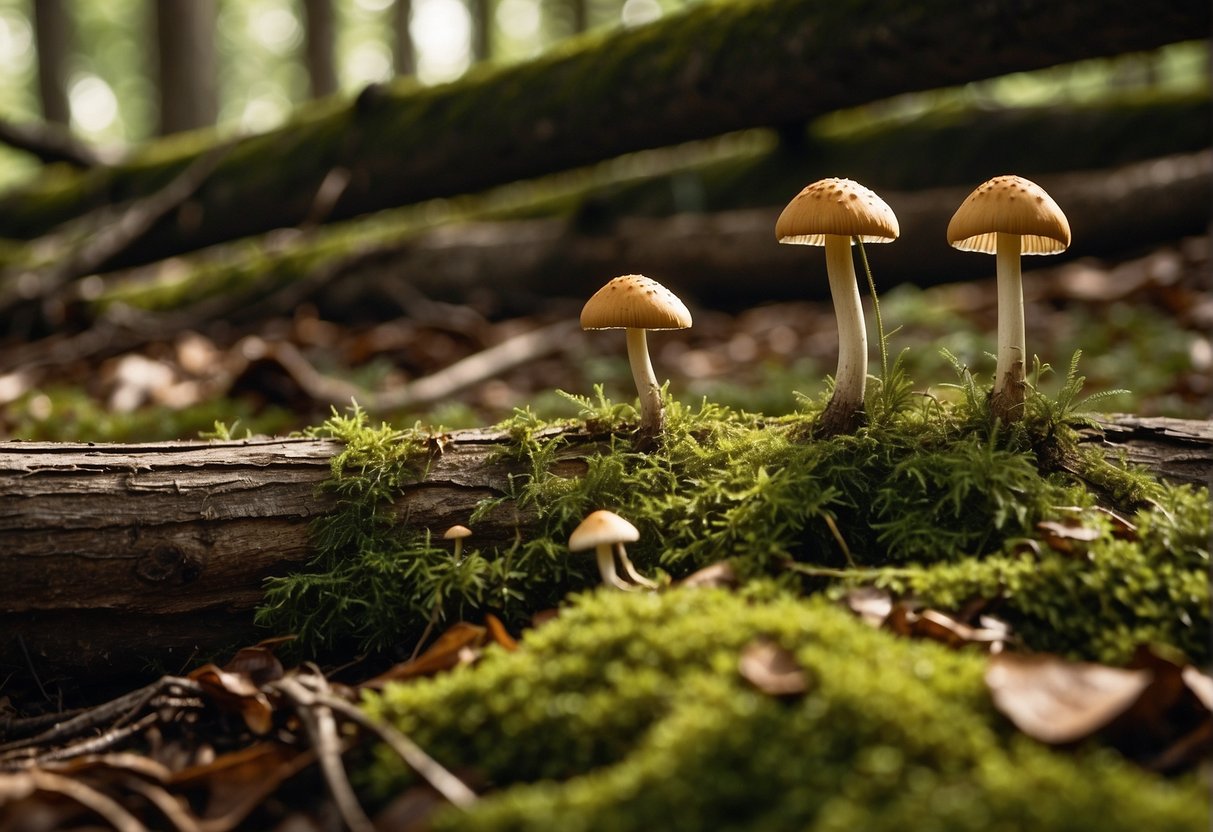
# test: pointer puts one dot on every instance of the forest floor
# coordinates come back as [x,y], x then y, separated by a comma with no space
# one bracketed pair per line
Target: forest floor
[1142,323]
[221,746]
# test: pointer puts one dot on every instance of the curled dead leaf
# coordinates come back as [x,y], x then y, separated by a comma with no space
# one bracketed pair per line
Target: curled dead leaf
[460,644]
[236,692]
[1058,701]
[1066,538]
[772,669]
[720,575]
[498,633]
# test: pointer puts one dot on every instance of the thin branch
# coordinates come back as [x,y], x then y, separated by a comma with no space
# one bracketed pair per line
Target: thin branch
[51,143]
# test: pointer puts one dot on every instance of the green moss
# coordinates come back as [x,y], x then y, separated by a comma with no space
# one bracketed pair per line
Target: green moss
[927,498]
[628,712]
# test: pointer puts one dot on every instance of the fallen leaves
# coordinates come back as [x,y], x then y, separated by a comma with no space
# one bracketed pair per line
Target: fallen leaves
[168,755]
[1155,711]
[878,608]
[773,669]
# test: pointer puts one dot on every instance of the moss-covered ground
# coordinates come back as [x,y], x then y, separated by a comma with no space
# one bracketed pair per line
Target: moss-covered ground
[628,711]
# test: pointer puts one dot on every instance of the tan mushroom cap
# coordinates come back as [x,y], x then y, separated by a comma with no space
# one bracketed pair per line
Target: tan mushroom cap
[634,301]
[839,208]
[1010,205]
[601,527]
[457,532]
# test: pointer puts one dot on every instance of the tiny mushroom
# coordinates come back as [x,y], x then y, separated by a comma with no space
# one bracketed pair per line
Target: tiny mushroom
[637,303]
[457,533]
[1008,216]
[832,213]
[605,532]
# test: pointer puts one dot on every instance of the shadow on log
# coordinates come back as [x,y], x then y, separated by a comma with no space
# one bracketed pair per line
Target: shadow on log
[139,559]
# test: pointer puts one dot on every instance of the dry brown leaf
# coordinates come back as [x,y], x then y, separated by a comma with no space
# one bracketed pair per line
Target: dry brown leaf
[719,575]
[498,633]
[1066,538]
[870,604]
[458,645]
[1057,701]
[237,783]
[258,663]
[236,692]
[772,669]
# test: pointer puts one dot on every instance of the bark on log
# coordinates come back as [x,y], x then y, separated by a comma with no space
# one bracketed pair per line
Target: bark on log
[707,71]
[127,558]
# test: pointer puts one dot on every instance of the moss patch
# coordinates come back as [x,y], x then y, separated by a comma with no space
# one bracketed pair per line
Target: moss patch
[628,712]
[927,498]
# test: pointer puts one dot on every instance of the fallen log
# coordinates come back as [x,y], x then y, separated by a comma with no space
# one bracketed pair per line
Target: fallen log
[125,559]
[703,72]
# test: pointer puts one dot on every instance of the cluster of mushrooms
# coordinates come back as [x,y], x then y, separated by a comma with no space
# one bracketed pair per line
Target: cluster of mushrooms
[1006,216]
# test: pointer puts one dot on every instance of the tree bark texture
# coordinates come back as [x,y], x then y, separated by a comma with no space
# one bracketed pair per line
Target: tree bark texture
[709,70]
[116,557]
[187,71]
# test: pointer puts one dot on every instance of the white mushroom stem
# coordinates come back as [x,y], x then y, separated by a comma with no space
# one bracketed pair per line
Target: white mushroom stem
[458,547]
[606,567]
[1011,339]
[651,414]
[631,570]
[850,380]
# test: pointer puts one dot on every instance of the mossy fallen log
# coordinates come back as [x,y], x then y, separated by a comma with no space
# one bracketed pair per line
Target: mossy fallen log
[712,69]
[126,558]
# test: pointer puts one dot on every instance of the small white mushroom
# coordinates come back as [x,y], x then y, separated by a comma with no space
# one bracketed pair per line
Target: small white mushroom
[832,213]
[1008,216]
[457,533]
[637,303]
[605,532]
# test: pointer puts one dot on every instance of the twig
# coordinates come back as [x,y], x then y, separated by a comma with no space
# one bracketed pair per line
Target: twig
[52,144]
[100,743]
[427,390]
[88,797]
[133,223]
[321,728]
[447,784]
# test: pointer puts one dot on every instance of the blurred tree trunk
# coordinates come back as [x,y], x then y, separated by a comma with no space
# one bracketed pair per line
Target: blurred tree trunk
[481,12]
[403,53]
[319,36]
[186,64]
[53,34]
[581,15]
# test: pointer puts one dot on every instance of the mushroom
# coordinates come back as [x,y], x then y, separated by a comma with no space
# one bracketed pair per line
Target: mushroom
[832,213]
[605,532]
[637,303]
[1009,216]
[457,533]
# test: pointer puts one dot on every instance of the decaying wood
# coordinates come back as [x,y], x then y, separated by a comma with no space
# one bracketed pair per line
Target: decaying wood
[703,72]
[131,558]
[731,257]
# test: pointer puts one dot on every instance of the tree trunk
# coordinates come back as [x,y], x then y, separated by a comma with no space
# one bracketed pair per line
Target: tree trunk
[119,556]
[707,71]
[481,14]
[53,38]
[186,68]
[404,55]
[319,36]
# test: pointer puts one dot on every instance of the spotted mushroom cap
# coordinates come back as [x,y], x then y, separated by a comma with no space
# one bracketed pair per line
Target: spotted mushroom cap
[836,207]
[601,527]
[1011,205]
[634,301]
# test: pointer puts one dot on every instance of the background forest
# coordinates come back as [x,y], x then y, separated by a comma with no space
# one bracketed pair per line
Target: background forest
[118,74]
